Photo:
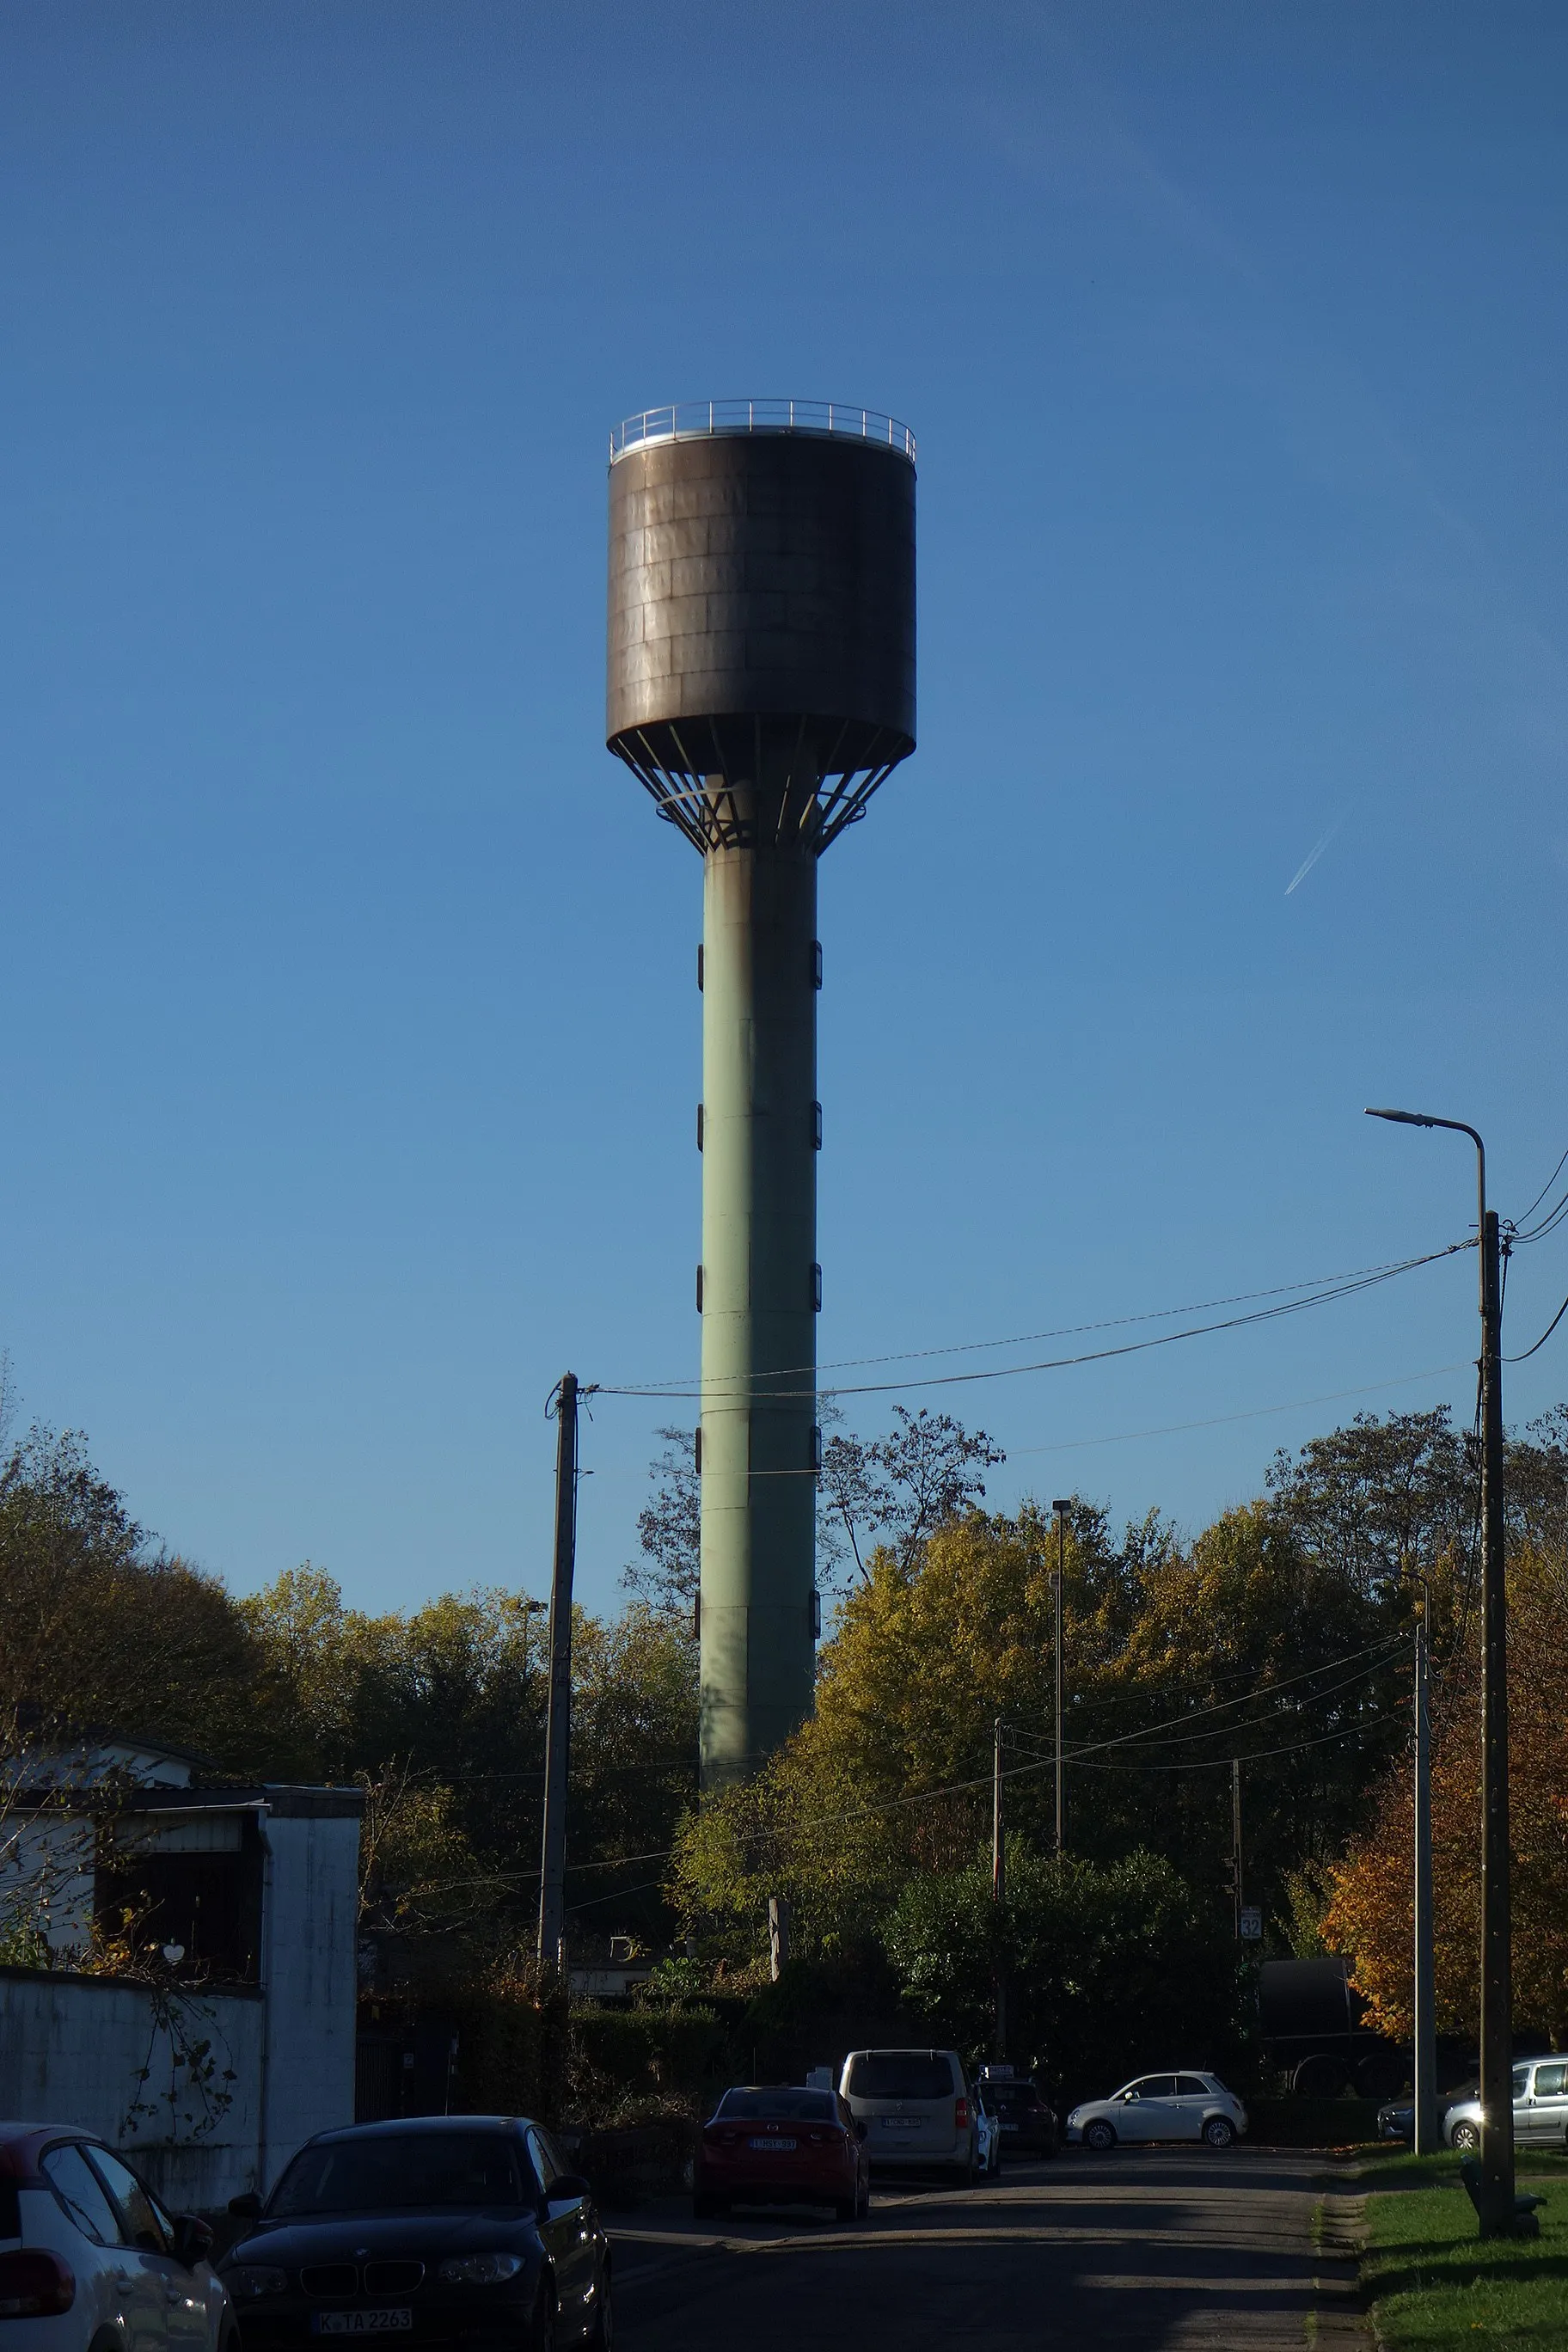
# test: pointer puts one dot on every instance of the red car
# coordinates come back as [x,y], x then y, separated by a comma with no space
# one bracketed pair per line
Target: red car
[782,2147]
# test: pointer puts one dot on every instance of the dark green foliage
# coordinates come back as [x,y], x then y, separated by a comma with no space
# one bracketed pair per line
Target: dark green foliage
[1111,1967]
[512,2041]
[100,1630]
[626,2060]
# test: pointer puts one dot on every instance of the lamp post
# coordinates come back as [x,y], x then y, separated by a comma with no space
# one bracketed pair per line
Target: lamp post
[1495,2203]
[1061,1509]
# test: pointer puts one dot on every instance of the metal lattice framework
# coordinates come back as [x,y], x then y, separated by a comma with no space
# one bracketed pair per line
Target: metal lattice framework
[703,779]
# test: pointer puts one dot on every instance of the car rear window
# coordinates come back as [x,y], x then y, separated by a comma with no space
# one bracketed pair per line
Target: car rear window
[900,2075]
[1189,2086]
[784,2106]
[1015,2098]
[399,2170]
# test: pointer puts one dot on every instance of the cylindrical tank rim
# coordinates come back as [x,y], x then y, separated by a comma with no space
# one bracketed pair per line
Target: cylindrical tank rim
[693,420]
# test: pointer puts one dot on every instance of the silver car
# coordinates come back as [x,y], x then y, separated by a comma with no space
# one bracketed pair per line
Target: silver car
[1540,2109]
[1162,2107]
[917,2110]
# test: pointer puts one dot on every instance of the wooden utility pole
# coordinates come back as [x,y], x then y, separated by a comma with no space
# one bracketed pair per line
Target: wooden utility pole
[558,1736]
[1235,1838]
[1425,2044]
[1497,2202]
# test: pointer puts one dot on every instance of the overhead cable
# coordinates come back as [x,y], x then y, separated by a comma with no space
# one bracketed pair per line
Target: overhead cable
[1059,1331]
[716,1393]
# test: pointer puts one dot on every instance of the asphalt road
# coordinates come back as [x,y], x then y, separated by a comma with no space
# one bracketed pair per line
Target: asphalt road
[1173,2249]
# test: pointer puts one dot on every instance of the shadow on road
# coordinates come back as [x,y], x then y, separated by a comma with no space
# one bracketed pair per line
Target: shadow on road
[1174,2249]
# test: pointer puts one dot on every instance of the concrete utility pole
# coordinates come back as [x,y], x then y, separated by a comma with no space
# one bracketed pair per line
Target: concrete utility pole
[1059,1581]
[1425,2046]
[1495,2203]
[778,1936]
[558,1734]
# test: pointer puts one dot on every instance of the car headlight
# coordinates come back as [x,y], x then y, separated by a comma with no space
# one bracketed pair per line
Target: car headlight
[480,2270]
[252,2279]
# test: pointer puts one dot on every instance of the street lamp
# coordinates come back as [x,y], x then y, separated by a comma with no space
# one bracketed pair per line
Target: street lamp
[1495,2203]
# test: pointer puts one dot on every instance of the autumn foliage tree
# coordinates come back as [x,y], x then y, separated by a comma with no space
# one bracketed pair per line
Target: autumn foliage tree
[1371,1912]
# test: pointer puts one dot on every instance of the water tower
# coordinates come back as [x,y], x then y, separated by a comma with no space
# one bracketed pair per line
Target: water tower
[761,685]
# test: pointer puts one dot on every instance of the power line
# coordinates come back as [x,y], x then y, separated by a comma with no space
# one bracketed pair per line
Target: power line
[1058,1363]
[1061,1331]
[1544,1336]
[1258,1755]
[1389,1643]
[1543,1191]
[1216,1421]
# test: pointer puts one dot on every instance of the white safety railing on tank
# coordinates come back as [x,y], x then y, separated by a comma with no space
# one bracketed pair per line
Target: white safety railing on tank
[693,420]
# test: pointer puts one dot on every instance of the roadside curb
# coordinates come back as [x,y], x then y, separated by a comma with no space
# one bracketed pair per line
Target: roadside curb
[1345,2319]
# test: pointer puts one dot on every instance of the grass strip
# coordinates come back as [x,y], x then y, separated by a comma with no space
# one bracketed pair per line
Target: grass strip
[1429,2279]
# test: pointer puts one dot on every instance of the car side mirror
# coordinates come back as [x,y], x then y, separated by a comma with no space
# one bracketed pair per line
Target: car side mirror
[1128,2097]
[192,2238]
[246,2208]
[569,2189]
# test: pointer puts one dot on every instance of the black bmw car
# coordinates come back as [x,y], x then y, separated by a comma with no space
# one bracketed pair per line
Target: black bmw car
[438,2231]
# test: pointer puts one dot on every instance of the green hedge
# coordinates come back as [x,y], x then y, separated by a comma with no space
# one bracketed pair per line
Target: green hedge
[624,2059]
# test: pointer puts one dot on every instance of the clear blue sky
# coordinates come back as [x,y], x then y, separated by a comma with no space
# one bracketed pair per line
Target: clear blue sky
[351,1034]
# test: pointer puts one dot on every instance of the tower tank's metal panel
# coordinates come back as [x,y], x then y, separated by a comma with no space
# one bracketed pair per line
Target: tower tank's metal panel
[762,574]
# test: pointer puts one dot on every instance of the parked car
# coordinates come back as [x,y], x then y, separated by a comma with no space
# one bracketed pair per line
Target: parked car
[1540,2109]
[987,2135]
[1396,2117]
[1162,2107]
[89,2256]
[1028,2126]
[917,2110]
[437,2228]
[782,2146]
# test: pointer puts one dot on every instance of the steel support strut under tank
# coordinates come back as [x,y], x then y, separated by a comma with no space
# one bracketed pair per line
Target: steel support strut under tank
[759,1325]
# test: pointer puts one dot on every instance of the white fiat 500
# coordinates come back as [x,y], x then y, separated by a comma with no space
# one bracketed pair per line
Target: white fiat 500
[89,2261]
[1162,2107]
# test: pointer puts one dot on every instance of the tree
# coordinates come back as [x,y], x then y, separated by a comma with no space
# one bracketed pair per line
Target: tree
[1371,1912]
[634,1765]
[1382,1501]
[927,1470]
[101,1631]
[1109,1966]
[667,1577]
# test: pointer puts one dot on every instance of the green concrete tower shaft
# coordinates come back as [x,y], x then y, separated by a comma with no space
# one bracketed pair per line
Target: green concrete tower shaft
[759,1291]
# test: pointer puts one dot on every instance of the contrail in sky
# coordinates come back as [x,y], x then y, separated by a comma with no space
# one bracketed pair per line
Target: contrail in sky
[1312,857]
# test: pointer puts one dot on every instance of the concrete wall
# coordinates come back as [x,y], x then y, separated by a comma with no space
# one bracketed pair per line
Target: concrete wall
[92,2050]
[73,2050]
[310,1929]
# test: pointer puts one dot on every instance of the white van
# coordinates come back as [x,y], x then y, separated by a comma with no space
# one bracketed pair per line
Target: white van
[917,2110]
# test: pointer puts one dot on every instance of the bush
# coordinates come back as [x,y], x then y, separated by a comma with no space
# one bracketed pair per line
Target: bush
[629,2063]
[512,2046]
